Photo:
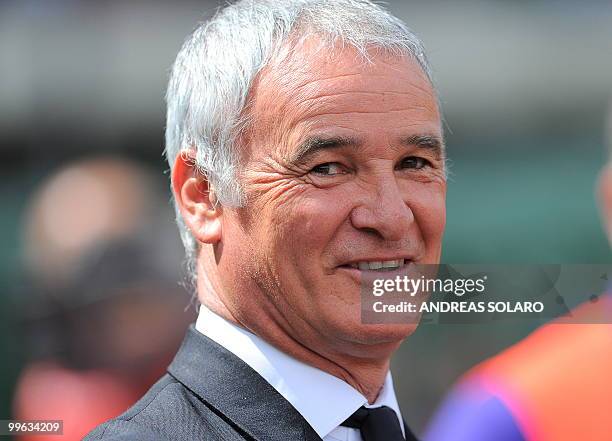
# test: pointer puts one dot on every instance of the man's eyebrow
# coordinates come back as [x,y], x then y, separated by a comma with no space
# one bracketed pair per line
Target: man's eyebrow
[317,143]
[428,142]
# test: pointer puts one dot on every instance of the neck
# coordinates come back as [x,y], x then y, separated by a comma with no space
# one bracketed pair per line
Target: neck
[359,369]
[363,366]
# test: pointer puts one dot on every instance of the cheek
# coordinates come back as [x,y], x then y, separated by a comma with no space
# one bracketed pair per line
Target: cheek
[428,204]
[306,226]
[302,230]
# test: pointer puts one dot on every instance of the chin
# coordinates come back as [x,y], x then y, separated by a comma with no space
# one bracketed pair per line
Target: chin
[385,332]
[371,341]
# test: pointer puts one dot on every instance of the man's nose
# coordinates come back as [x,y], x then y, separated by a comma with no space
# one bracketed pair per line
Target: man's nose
[383,209]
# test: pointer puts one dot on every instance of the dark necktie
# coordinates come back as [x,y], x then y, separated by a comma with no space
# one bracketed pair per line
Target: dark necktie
[378,424]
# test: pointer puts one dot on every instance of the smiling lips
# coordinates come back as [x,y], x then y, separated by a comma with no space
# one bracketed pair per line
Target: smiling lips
[378,265]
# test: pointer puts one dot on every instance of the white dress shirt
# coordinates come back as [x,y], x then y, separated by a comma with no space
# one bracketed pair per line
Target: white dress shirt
[323,400]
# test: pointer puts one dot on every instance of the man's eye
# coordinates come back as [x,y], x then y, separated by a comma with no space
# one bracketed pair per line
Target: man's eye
[415,162]
[329,169]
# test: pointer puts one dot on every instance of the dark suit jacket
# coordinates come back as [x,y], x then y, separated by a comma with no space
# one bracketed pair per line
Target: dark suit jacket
[208,394]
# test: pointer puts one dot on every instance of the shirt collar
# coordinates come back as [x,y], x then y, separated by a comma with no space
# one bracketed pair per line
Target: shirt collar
[324,400]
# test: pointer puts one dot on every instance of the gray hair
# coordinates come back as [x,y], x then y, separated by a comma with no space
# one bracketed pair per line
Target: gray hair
[215,68]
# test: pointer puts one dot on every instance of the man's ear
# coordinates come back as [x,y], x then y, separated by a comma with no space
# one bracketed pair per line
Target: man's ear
[196,201]
[605,198]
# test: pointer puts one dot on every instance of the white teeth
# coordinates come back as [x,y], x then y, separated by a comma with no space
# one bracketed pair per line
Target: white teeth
[391,264]
[377,264]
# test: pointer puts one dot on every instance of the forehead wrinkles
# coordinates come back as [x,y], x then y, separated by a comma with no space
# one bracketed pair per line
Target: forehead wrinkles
[283,83]
[311,79]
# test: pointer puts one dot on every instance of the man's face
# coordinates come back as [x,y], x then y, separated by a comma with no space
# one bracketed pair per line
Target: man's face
[343,167]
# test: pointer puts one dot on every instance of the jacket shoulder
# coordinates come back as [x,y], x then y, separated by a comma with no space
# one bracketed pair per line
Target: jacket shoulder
[168,411]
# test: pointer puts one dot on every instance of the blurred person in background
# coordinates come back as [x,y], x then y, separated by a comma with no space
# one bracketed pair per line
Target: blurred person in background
[555,385]
[103,314]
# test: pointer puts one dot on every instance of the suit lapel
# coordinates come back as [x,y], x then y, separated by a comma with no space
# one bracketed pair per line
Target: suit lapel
[409,435]
[235,390]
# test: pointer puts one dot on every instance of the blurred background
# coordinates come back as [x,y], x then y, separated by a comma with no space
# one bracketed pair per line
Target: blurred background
[90,261]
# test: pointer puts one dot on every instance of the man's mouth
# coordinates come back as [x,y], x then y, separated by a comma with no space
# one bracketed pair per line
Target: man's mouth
[378,265]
